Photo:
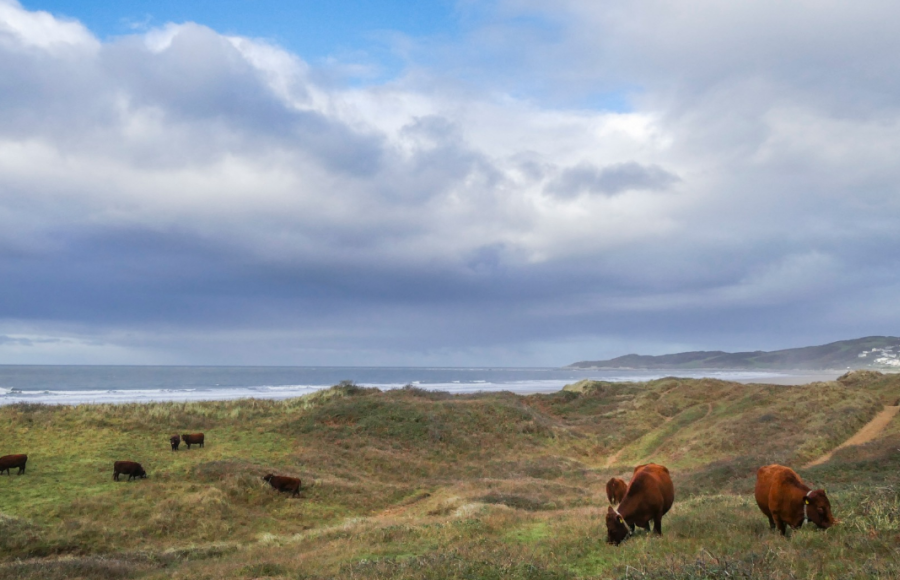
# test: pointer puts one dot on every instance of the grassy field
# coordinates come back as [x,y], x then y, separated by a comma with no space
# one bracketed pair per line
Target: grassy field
[414,484]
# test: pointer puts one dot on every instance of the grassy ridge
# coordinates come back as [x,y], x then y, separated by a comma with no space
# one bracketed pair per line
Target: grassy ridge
[413,484]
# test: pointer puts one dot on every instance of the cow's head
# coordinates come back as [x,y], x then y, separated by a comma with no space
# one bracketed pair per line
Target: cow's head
[818,508]
[141,473]
[268,477]
[616,528]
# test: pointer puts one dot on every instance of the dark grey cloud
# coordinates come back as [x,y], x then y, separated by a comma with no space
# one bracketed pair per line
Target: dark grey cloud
[610,180]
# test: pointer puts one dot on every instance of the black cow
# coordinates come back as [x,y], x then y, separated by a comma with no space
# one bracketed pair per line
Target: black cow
[9,461]
[130,468]
[284,483]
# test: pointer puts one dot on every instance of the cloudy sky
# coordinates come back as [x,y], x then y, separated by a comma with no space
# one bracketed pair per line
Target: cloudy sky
[464,182]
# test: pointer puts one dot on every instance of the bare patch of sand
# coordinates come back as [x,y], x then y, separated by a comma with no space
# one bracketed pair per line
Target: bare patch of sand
[870,431]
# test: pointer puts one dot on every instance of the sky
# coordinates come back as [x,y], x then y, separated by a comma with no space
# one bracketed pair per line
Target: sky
[452,183]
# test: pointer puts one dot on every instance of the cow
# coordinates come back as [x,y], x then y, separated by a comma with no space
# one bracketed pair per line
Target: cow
[9,461]
[175,440]
[284,483]
[615,490]
[192,439]
[783,497]
[649,496]
[130,468]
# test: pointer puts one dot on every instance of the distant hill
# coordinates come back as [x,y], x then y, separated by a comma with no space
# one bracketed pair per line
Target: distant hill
[872,352]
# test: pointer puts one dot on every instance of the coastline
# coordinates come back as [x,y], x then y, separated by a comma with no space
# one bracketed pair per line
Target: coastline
[195,393]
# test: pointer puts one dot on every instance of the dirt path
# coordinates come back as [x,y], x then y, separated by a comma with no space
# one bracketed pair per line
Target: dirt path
[650,455]
[870,431]
[612,459]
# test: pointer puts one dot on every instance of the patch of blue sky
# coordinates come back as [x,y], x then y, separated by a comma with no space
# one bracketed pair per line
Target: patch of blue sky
[363,42]
[316,30]
[617,101]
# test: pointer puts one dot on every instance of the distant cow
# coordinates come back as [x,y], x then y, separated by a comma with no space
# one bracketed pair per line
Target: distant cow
[9,461]
[130,468]
[284,483]
[615,490]
[649,496]
[193,439]
[175,440]
[787,501]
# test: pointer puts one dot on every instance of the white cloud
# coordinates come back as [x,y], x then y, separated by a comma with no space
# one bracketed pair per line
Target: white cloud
[22,30]
[219,177]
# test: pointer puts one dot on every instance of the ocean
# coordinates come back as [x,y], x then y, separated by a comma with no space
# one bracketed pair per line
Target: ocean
[70,385]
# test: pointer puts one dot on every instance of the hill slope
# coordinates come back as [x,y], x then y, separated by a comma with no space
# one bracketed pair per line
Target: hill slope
[872,352]
[415,484]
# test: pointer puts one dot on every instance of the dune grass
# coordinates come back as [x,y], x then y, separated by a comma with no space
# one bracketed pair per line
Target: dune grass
[414,484]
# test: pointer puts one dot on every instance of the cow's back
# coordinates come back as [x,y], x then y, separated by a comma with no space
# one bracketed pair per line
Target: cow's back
[651,488]
[770,483]
[193,438]
[765,478]
[13,460]
[7,462]
[615,490]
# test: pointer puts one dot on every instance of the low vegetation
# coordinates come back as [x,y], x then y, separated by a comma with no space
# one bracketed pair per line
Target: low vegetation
[415,484]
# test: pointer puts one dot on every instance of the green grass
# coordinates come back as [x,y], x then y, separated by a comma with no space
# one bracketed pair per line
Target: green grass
[412,484]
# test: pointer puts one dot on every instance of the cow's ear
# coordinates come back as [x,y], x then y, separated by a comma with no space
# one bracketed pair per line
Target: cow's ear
[622,520]
[806,500]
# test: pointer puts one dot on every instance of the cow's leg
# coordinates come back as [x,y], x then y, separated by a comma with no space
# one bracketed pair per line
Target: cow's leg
[646,525]
[115,476]
[771,522]
[657,525]
[781,525]
[22,469]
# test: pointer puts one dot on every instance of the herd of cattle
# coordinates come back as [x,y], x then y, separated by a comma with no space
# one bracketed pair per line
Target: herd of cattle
[780,493]
[135,470]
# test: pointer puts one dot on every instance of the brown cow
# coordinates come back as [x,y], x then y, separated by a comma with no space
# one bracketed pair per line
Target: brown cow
[615,490]
[9,461]
[130,468]
[193,439]
[284,483]
[649,496]
[787,501]
[175,440]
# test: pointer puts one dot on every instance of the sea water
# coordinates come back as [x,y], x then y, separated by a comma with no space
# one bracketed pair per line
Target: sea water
[70,385]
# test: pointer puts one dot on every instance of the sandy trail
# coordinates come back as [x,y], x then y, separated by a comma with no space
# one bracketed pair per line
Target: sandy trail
[870,431]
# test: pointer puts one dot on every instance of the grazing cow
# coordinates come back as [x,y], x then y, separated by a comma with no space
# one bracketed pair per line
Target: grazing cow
[615,490]
[130,468]
[787,501]
[649,496]
[10,461]
[175,440]
[284,483]
[193,439]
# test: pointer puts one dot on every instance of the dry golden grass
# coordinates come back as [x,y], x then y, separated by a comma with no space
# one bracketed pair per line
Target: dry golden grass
[411,484]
